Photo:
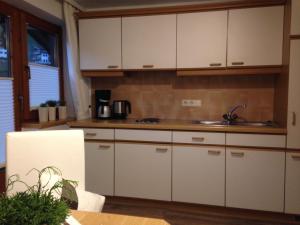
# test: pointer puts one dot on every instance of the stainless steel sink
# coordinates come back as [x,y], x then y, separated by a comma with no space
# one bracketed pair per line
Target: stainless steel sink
[236,123]
[209,122]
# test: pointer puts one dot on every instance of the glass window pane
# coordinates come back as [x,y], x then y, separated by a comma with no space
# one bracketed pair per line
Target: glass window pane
[6,114]
[43,64]
[42,47]
[4,47]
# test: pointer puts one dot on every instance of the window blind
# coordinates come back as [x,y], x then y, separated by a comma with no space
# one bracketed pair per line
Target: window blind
[7,116]
[44,84]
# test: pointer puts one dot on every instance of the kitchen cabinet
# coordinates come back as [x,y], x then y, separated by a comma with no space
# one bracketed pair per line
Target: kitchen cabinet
[293,140]
[143,171]
[255,179]
[201,39]
[100,44]
[99,167]
[295,22]
[199,175]
[149,42]
[292,186]
[255,36]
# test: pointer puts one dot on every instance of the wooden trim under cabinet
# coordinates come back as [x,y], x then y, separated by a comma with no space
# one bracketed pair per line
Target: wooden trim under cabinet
[102,73]
[178,9]
[231,71]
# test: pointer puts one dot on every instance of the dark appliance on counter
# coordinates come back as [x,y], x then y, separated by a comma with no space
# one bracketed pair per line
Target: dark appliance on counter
[102,98]
[121,109]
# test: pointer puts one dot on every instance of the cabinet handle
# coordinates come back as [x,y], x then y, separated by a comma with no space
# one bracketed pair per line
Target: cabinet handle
[237,63]
[215,64]
[238,154]
[91,134]
[214,152]
[296,157]
[112,67]
[161,149]
[104,146]
[148,66]
[294,119]
[198,139]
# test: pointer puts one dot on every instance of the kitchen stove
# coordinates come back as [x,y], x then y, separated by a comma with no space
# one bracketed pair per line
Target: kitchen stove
[148,121]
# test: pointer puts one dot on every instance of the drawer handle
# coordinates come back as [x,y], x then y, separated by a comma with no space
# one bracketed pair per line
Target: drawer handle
[296,157]
[237,63]
[104,146]
[294,119]
[91,134]
[215,64]
[112,67]
[148,66]
[214,152]
[198,139]
[238,154]
[161,149]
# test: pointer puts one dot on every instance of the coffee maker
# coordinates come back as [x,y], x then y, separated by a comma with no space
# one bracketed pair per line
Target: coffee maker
[102,98]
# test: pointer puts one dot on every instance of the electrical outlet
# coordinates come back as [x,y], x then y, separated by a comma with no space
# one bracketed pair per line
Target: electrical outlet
[191,103]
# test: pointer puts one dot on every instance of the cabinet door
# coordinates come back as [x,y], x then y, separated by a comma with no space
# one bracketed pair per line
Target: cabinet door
[201,39]
[292,187]
[199,175]
[255,36]
[143,171]
[149,42]
[100,44]
[255,179]
[295,22]
[293,140]
[99,167]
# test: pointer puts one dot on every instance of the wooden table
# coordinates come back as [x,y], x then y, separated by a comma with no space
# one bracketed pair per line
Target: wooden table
[89,218]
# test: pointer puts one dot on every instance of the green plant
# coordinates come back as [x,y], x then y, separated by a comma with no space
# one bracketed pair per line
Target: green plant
[43,105]
[51,103]
[36,205]
[61,103]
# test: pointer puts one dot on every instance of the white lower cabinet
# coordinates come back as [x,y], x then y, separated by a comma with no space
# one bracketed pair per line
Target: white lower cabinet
[199,174]
[99,167]
[292,186]
[255,179]
[143,171]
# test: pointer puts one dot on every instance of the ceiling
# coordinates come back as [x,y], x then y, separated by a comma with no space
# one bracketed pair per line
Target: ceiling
[96,4]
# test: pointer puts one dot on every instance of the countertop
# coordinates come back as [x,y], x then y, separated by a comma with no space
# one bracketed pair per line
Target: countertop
[180,125]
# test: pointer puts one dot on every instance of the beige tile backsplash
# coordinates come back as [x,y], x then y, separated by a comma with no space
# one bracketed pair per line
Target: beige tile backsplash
[159,94]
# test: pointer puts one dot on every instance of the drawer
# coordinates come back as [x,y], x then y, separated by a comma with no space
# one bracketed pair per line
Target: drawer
[98,134]
[199,138]
[143,135]
[256,140]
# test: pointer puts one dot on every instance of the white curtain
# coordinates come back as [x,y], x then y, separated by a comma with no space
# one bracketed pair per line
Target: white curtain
[79,86]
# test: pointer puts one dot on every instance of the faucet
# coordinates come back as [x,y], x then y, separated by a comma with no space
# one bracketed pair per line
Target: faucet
[230,116]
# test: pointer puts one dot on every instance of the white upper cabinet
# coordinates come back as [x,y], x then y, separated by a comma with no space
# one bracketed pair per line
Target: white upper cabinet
[255,36]
[295,23]
[149,42]
[293,137]
[100,44]
[201,39]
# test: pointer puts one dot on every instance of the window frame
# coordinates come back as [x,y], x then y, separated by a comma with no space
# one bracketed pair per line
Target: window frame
[28,114]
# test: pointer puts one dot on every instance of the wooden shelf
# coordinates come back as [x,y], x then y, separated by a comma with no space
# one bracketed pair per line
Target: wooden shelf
[37,125]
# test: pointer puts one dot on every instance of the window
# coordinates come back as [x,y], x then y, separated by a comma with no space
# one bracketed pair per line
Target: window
[42,76]
[7,120]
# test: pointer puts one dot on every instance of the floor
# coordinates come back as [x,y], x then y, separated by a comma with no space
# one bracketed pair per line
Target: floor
[190,214]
